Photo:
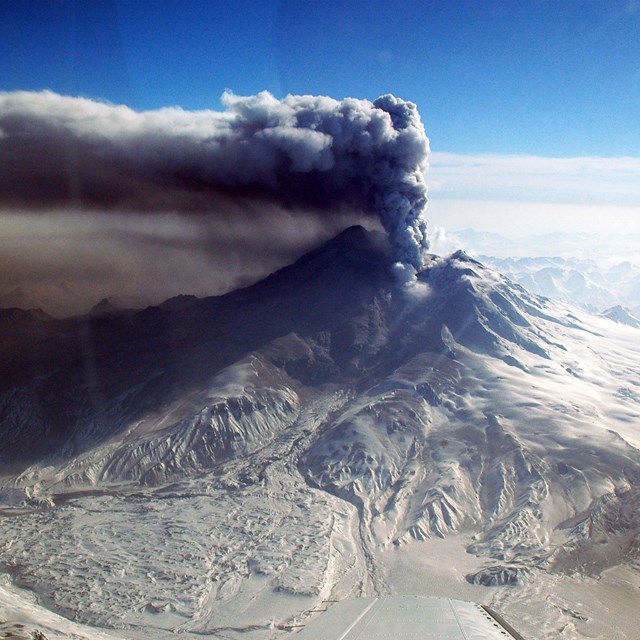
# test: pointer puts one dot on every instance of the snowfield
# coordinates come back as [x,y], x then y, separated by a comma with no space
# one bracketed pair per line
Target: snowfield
[474,442]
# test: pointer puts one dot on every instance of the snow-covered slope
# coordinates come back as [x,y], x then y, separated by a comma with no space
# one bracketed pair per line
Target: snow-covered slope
[223,466]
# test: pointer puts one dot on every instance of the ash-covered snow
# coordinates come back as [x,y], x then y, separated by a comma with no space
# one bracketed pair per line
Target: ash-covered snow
[368,442]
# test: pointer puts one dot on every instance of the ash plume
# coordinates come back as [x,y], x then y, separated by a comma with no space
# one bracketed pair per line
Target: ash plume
[302,153]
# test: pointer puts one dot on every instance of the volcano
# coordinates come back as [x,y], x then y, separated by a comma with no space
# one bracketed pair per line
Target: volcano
[227,466]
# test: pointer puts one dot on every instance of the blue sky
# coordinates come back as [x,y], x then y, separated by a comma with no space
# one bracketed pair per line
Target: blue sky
[492,79]
[550,78]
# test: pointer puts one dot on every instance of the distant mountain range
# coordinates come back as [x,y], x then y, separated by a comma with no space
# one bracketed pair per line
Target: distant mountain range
[580,282]
[224,466]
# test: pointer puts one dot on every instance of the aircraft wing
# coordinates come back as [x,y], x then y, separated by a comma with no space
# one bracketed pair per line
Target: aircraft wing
[407,618]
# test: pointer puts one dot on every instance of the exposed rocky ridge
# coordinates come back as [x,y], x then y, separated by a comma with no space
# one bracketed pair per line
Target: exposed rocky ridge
[622,315]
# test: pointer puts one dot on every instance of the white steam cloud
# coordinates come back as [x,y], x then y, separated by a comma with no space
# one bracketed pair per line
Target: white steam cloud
[309,153]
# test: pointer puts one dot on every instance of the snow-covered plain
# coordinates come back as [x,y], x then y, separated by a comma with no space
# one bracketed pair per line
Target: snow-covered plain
[473,442]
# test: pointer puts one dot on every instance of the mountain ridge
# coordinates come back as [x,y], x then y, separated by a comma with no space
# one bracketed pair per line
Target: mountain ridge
[312,435]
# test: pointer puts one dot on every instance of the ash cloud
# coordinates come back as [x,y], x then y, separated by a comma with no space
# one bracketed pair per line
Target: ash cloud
[65,263]
[307,154]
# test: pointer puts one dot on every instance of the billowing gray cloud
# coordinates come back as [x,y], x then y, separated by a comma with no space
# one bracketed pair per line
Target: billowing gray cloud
[302,153]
